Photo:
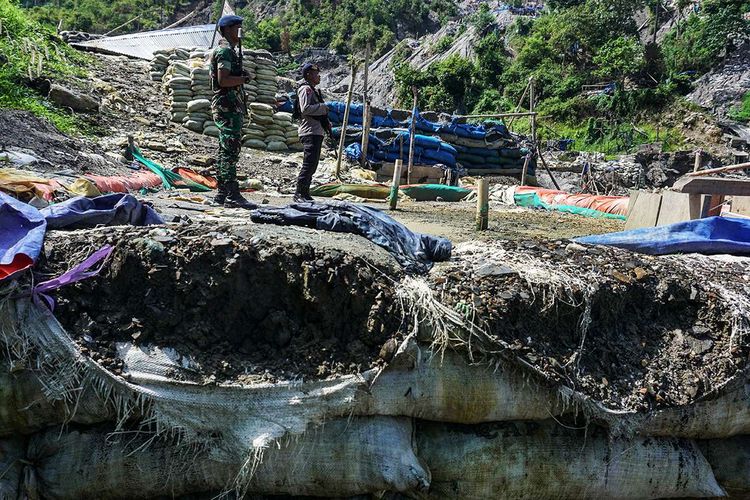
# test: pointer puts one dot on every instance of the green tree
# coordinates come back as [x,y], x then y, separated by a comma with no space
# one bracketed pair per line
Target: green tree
[619,58]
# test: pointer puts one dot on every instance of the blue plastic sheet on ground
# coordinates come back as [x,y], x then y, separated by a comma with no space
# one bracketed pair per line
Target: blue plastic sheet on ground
[713,235]
[415,252]
[22,230]
[112,209]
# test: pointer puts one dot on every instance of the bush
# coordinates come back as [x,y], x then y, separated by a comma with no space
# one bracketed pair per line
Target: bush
[29,53]
[742,111]
[698,42]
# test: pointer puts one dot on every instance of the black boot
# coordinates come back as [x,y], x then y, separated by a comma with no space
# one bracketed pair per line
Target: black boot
[221,194]
[302,194]
[235,198]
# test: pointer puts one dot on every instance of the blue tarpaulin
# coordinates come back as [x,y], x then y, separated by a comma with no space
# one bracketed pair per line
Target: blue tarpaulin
[22,230]
[22,227]
[415,252]
[713,235]
[111,210]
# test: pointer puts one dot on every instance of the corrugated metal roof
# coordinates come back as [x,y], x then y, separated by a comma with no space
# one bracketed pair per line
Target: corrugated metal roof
[143,45]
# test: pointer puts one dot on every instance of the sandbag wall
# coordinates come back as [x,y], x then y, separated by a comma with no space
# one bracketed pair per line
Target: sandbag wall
[430,425]
[186,76]
[480,149]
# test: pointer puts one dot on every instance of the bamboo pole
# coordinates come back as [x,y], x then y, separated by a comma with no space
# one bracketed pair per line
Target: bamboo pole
[532,104]
[730,168]
[496,115]
[518,106]
[412,134]
[396,183]
[367,110]
[549,172]
[123,25]
[483,204]
[342,139]
[365,133]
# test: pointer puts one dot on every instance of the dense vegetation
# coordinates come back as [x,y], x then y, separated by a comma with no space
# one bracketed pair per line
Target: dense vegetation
[101,16]
[577,43]
[346,25]
[29,53]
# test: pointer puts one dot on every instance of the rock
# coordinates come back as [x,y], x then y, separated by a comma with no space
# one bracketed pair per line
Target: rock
[67,98]
[575,247]
[17,158]
[155,146]
[491,269]
[201,160]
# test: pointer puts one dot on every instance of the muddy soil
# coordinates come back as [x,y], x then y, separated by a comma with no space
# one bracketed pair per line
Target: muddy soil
[632,331]
[247,303]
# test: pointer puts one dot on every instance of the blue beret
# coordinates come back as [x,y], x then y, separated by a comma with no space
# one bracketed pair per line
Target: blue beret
[230,20]
[309,67]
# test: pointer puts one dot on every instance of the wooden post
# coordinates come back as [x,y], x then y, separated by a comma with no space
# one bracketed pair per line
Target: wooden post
[412,133]
[544,164]
[698,160]
[366,101]
[525,169]
[532,98]
[365,133]
[518,106]
[342,139]
[483,204]
[396,183]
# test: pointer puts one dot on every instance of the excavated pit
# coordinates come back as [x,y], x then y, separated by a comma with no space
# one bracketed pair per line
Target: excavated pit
[245,303]
[633,332]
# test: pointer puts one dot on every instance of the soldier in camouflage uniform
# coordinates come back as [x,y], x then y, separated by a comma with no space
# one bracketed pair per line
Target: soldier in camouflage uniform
[227,77]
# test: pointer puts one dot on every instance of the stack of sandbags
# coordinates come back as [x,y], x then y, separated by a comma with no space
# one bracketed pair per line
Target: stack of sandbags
[290,130]
[159,64]
[275,138]
[248,64]
[199,111]
[265,77]
[257,127]
[180,93]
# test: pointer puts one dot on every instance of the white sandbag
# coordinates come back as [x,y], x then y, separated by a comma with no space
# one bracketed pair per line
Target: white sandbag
[179,81]
[277,146]
[254,143]
[198,105]
[193,125]
[730,461]
[423,384]
[545,460]
[275,138]
[725,416]
[212,131]
[26,408]
[341,458]
[283,116]
[12,458]
[262,109]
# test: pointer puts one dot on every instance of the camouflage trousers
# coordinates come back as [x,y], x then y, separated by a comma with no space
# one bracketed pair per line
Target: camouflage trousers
[230,143]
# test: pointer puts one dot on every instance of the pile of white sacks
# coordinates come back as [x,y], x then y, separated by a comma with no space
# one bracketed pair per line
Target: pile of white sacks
[186,77]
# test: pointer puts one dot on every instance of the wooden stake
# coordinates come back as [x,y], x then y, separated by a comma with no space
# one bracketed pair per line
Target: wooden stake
[483,204]
[698,161]
[525,169]
[396,183]
[342,139]
[412,133]
[365,133]
[532,104]
[518,106]
[366,101]
[544,164]
[730,168]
